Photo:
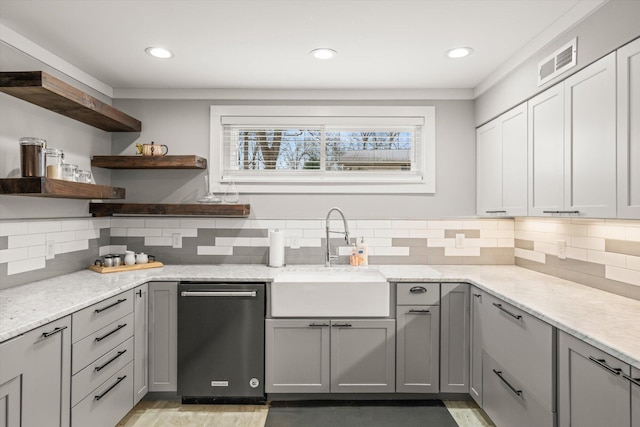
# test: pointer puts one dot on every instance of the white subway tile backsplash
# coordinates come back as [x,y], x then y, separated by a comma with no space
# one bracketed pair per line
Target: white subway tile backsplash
[632,233]
[482,224]
[144,232]
[87,234]
[506,243]
[16,267]
[185,232]
[374,224]
[66,247]
[233,223]
[530,255]
[445,225]
[100,223]
[9,255]
[426,234]
[61,236]
[104,250]
[547,248]
[305,224]
[44,226]
[633,262]
[607,258]
[622,275]
[260,241]
[73,225]
[233,241]
[480,243]
[391,233]
[158,241]
[215,250]
[269,224]
[361,232]
[408,225]
[394,251]
[127,222]
[162,223]
[497,234]
[572,229]
[379,241]
[37,251]
[197,223]
[308,242]
[593,243]
[315,233]
[462,252]
[606,231]
[13,228]
[576,253]
[441,243]
[25,240]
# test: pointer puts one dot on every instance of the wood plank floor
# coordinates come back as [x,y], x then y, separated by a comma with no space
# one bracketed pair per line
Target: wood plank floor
[156,413]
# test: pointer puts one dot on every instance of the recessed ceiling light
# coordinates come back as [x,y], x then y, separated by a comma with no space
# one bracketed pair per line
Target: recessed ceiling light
[459,52]
[323,53]
[159,52]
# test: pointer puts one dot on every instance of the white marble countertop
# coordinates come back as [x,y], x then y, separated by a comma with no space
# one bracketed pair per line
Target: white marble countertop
[607,321]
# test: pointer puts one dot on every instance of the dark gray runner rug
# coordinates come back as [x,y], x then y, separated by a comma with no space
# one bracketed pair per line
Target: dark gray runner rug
[382,413]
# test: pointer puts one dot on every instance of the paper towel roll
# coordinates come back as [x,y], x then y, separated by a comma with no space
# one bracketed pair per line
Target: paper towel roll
[276,248]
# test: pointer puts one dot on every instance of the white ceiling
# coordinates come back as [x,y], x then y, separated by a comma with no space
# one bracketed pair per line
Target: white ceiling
[264,44]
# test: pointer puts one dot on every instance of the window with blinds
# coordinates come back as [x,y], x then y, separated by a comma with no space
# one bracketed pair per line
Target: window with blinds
[324,149]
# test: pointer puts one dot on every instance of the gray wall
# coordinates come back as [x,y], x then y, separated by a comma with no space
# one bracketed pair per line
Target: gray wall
[183,125]
[613,25]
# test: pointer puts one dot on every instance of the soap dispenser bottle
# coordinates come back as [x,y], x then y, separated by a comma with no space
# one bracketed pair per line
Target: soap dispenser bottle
[363,253]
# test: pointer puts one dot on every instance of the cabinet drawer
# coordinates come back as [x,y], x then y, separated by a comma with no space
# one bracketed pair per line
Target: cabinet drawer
[99,315]
[100,342]
[107,404]
[522,344]
[507,401]
[99,371]
[418,293]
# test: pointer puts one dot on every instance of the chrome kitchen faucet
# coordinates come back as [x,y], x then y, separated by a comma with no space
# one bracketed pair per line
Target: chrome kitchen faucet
[328,256]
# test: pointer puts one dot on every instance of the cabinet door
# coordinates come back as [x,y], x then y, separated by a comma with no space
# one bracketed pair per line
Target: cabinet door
[514,161]
[363,356]
[475,344]
[10,400]
[592,391]
[489,168]
[454,333]
[163,336]
[141,342]
[590,140]
[546,151]
[628,70]
[418,348]
[39,362]
[297,356]
[635,397]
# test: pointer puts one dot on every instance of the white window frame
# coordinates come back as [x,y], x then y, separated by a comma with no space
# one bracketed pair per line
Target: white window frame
[426,185]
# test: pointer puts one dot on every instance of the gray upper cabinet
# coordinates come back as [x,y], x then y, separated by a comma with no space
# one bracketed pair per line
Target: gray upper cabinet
[297,356]
[475,345]
[572,144]
[592,388]
[502,165]
[163,336]
[628,70]
[35,377]
[363,356]
[454,338]
[418,348]
[141,342]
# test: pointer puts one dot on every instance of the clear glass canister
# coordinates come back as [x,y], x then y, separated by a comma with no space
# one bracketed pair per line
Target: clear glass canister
[69,172]
[32,156]
[84,176]
[55,159]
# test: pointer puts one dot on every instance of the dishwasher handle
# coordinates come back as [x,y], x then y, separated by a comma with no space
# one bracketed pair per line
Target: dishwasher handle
[219,293]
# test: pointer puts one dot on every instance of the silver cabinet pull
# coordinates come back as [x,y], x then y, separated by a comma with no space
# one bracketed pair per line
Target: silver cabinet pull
[561,212]
[100,310]
[104,393]
[632,380]
[603,363]
[317,325]
[113,359]
[341,325]
[55,331]
[218,293]
[515,316]
[98,339]
[496,212]
[412,311]
[418,290]
[512,388]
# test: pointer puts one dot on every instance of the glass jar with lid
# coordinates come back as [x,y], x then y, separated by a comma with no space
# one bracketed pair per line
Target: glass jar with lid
[55,159]
[69,172]
[32,156]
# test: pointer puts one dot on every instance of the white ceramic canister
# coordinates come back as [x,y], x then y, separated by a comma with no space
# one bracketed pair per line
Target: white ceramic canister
[129,258]
[142,258]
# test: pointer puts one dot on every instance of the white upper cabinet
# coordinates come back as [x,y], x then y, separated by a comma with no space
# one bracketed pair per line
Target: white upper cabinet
[572,145]
[502,165]
[629,130]
[590,140]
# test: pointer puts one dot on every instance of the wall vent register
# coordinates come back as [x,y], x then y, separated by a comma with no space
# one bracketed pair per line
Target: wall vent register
[559,62]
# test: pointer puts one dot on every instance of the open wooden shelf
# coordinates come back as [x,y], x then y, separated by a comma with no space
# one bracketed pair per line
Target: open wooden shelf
[48,92]
[47,187]
[149,162]
[217,210]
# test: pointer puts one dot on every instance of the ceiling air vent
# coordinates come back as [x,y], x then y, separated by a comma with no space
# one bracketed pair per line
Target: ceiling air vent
[556,64]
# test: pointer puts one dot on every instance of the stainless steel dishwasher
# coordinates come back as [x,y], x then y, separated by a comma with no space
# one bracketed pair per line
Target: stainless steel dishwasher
[221,342]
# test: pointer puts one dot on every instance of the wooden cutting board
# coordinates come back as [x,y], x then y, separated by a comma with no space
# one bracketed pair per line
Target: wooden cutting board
[104,270]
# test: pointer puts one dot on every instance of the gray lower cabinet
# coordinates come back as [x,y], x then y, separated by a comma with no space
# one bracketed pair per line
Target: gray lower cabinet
[35,377]
[635,397]
[475,345]
[363,356]
[141,342]
[163,336]
[593,386]
[417,348]
[297,356]
[454,337]
[322,355]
